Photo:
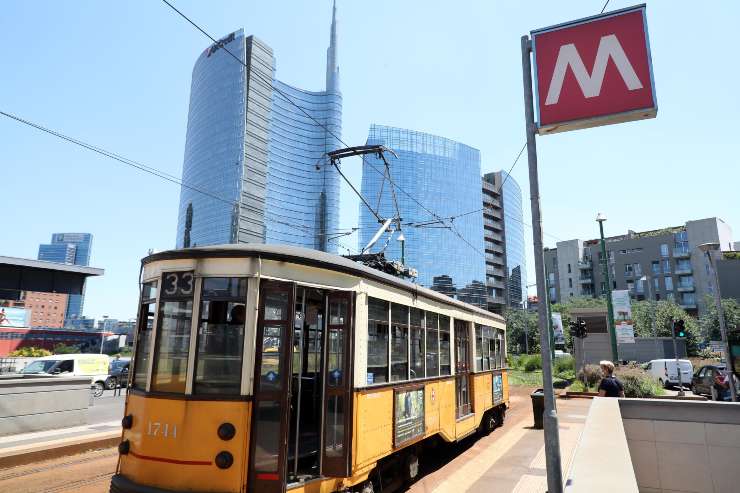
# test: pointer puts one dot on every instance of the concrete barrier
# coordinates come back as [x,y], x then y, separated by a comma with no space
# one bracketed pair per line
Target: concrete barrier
[33,403]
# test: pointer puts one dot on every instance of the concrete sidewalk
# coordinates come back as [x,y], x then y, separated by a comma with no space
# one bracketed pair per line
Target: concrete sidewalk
[512,458]
[40,445]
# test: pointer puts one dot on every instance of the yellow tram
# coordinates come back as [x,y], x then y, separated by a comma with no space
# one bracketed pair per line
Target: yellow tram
[271,368]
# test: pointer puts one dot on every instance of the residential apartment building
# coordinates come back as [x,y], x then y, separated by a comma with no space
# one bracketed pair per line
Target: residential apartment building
[503,234]
[659,264]
[254,144]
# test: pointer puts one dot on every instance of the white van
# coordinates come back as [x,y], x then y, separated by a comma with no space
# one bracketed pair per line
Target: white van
[664,370]
[73,365]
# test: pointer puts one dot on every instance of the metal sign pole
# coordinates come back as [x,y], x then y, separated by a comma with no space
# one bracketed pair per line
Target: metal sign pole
[550,418]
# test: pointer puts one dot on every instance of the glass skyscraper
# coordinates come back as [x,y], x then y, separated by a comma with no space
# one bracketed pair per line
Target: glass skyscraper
[516,264]
[69,248]
[254,151]
[443,176]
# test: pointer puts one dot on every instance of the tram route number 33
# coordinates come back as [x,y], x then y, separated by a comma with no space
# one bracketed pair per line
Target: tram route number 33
[178,284]
[158,429]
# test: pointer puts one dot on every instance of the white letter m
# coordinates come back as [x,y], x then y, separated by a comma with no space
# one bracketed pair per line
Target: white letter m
[591,84]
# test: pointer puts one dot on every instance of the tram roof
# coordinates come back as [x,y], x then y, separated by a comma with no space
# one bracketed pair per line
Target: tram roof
[314,258]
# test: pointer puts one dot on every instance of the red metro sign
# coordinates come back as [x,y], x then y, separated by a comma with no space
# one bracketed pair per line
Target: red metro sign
[594,71]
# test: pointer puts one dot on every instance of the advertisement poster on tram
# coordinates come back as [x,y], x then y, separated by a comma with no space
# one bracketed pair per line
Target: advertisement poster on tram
[624,326]
[409,414]
[498,388]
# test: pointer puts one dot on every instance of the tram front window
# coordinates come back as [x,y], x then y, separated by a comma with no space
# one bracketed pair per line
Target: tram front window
[143,337]
[218,363]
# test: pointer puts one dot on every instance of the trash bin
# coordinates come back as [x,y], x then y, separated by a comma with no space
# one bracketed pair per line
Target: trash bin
[538,407]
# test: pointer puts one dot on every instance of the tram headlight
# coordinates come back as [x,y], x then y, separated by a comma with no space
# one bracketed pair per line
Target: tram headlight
[226,431]
[124,447]
[127,422]
[224,460]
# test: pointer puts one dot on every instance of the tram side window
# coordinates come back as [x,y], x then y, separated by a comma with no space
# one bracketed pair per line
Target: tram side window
[399,342]
[482,350]
[377,341]
[173,332]
[218,363]
[417,343]
[432,344]
[501,348]
[143,336]
[445,367]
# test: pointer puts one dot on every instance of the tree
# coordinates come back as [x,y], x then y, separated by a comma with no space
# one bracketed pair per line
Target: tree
[64,349]
[518,323]
[664,312]
[709,323]
[30,352]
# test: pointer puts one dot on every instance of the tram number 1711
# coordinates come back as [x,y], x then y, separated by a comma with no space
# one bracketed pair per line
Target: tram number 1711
[155,428]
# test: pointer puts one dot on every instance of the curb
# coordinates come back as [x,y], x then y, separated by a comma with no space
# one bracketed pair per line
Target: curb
[26,454]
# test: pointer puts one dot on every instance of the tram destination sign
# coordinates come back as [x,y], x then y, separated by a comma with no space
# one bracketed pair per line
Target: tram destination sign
[593,71]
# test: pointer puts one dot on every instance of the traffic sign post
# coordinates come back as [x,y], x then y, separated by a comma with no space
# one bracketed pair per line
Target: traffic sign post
[618,88]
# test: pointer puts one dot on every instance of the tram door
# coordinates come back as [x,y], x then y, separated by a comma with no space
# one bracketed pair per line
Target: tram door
[268,447]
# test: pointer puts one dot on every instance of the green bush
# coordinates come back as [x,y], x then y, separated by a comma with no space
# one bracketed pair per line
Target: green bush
[638,383]
[578,386]
[563,364]
[566,375]
[591,374]
[32,352]
[532,362]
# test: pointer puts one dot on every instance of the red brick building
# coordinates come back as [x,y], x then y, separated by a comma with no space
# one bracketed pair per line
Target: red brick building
[47,309]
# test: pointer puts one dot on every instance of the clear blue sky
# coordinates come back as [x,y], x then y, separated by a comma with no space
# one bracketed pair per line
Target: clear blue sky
[117,74]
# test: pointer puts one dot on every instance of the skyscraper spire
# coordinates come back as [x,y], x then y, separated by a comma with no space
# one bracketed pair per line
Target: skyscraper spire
[332,66]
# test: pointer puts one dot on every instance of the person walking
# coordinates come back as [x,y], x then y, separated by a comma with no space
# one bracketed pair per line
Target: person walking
[610,385]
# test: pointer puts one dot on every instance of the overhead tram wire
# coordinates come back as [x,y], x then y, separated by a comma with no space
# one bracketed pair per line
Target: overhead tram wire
[322,125]
[159,173]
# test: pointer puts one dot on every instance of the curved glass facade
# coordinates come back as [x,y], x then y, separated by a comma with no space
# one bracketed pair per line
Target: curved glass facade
[214,145]
[444,176]
[253,145]
[302,203]
[516,265]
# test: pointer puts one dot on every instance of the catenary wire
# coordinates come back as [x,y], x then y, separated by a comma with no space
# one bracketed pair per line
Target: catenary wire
[324,126]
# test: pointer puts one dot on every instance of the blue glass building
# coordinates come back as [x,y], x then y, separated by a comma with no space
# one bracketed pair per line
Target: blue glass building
[443,176]
[252,149]
[516,265]
[69,248]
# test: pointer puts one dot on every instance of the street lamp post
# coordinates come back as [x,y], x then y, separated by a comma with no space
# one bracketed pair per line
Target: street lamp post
[708,249]
[600,218]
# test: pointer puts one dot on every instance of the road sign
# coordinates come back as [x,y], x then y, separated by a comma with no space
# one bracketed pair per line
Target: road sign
[593,71]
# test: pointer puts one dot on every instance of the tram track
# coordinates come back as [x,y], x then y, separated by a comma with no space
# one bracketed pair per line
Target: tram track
[21,471]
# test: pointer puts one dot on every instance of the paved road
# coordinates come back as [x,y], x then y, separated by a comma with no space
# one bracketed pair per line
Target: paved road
[106,408]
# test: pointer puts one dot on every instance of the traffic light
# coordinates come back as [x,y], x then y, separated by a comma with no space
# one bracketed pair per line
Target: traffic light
[679,329]
[578,329]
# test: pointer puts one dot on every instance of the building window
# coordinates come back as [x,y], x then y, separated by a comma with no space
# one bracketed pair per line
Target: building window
[664,250]
[666,266]
[569,271]
[377,341]
[668,283]
[637,268]
[656,284]
[445,367]
[399,342]
[686,282]
[630,286]
[656,267]
[683,264]
[485,348]
[570,282]
[417,343]
[432,344]
[628,270]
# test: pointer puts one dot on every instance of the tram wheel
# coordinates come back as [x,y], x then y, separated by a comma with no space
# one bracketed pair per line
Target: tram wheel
[367,487]
[412,466]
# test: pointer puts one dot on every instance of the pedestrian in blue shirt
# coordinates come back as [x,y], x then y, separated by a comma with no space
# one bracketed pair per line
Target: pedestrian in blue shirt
[610,386]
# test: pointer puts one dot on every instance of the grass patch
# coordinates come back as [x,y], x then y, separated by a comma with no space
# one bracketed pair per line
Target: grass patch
[525,378]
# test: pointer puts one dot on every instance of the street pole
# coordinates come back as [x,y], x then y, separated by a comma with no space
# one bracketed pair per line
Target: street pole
[723,327]
[609,307]
[678,363]
[550,415]
[526,331]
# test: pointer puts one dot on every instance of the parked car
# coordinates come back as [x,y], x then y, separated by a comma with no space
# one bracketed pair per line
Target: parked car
[710,380]
[559,353]
[666,372]
[74,365]
[118,373]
